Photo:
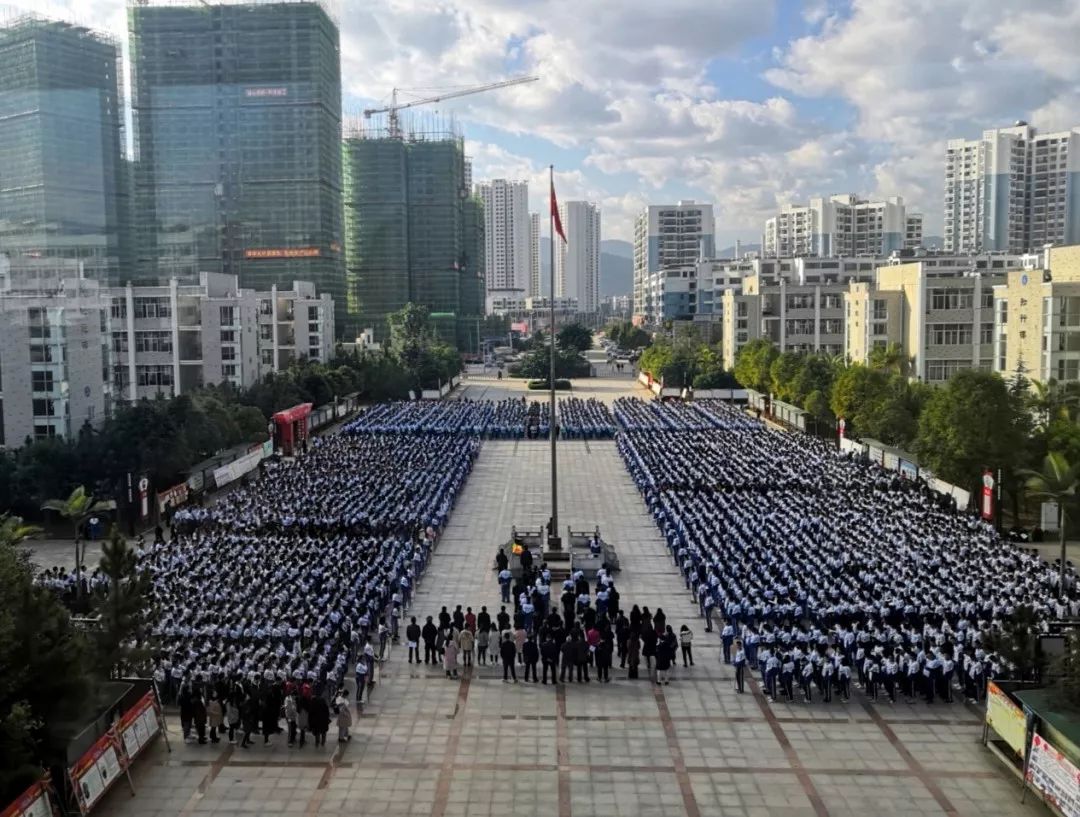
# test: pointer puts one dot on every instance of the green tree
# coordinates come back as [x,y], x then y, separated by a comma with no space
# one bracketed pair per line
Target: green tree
[753,365]
[970,423]
[783,374]
[890,359]
[856,393]
[1056,482]
[816,374]
[658,358]
[121,606]
[575,336]
[537,364]
[43,683]
[77,508]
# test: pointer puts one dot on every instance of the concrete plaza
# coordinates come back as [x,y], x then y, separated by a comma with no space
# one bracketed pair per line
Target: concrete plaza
[426,745]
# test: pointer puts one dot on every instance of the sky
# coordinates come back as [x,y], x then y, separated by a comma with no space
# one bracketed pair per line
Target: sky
[746,104]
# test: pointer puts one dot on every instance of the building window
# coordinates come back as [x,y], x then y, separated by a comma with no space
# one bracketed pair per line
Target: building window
[951,299]
[118,309]
[880,328]
[228,336]
[881,310]
[800,301]
[41,381]
[228,316]
[266,332]
[832,301]
[950,334]
[313,313]
[42,432]
[41,354]
[152,308]
[228,370]
[832,326]
[44,408]
[1068,370]
[986,333]
[986,298]
[160,341]
[267,356]
[938,371]
[228,353]
[154,375]
[119,342]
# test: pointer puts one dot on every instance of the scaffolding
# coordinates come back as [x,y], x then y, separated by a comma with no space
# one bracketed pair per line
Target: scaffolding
[412,231]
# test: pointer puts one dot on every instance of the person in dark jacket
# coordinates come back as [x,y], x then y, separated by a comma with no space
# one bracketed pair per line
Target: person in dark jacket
[249,716]
[567,649]
[602,657]
[198,715]
[430,633]
[319,719]
[549,653]
[508,653]
[186,710]
[633,656]
[412,638]
[581,659]
[270,710]
[531,653]
[648,644]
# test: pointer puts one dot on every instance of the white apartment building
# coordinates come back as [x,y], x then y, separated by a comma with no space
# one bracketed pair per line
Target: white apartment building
[53,356]
[669,240]
[841,225]
[173,338]
[507,234]
[577,260]
[534,256]
[1013,190]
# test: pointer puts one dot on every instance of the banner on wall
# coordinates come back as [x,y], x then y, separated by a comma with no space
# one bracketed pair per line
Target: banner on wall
[1006,718]
[34,802]
[1056,778]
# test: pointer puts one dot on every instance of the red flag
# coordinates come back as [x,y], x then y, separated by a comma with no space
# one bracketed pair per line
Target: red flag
[555,214]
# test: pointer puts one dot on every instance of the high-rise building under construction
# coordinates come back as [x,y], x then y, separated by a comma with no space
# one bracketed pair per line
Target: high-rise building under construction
[237,111]
[412,234]
[62,175]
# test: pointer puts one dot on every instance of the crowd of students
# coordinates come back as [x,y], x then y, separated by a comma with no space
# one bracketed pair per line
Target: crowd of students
[826,569]
[287,584]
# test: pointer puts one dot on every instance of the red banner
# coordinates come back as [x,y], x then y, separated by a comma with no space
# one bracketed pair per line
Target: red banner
[96,771]
[987,506]
[34,802]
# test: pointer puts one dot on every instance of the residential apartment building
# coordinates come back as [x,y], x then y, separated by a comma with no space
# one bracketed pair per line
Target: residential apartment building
[939,309]
[63,182]
[54,353]
[508,229]
[1037,317]
[840,226]
[1012,190]
[238,135]
[669,240]
[173,338]
[577,260]
[534,256]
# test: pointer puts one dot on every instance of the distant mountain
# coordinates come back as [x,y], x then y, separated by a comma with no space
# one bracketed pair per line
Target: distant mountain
[623,249]
[616,268]
[729,252]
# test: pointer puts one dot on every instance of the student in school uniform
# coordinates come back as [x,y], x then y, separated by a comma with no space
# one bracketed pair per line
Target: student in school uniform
[727,638]
[740,667]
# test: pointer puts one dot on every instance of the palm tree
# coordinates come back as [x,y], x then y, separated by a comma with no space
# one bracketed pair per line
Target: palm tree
[78,508]
[1056,482]
[14,531]
[1050,401]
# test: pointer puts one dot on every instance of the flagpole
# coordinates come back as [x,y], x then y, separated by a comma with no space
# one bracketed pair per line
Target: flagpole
[553,535]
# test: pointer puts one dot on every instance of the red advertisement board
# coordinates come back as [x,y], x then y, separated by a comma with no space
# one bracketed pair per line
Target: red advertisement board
[34,802]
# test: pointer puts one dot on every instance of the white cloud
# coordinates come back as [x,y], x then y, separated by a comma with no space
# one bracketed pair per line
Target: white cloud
[941,69]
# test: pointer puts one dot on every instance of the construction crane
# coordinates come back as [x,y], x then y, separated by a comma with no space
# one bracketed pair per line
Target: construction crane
[394,107]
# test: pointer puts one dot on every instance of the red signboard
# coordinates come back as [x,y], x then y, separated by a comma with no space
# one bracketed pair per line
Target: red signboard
[34,802]
[96,771]
[987,506]
[283,252]
[138,727]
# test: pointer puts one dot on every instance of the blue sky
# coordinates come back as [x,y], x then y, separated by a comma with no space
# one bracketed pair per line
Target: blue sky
[746,104]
